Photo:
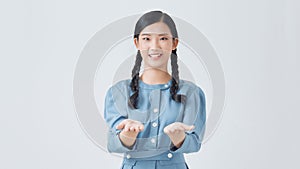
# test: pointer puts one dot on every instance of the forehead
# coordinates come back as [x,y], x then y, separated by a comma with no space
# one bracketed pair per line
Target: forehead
[159,28]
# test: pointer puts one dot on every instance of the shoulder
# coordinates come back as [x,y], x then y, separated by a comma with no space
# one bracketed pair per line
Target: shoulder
[188,88]
[121,85]
[119,88]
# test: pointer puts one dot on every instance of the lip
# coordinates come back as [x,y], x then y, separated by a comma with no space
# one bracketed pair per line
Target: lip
[155,55]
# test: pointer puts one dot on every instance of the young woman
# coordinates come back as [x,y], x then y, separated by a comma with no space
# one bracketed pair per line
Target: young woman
[155,117]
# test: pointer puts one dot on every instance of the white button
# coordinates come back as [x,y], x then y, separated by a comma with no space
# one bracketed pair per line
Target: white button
[154,124]
[166,85]
[170,155]
[128,156]
[155,110]
[153,140]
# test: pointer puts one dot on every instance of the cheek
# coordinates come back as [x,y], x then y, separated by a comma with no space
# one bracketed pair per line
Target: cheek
[144,53]
[166,46]
[166,55]
[143,45]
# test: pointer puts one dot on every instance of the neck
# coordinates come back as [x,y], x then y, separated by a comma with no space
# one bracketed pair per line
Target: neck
[155,76]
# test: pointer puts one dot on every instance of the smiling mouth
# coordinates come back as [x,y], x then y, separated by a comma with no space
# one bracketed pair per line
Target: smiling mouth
[155,55]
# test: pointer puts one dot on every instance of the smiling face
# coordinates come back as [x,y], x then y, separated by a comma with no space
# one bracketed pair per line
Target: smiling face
[156,43]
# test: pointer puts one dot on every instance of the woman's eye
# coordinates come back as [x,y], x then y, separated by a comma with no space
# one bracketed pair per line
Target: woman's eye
[145,38]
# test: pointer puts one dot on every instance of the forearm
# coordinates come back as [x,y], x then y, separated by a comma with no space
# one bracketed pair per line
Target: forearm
[177,139]
[127,138]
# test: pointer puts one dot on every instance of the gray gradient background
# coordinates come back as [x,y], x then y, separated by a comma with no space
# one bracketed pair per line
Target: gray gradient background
[256,42]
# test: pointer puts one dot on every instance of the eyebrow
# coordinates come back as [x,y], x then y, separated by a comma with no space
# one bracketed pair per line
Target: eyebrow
[149,34]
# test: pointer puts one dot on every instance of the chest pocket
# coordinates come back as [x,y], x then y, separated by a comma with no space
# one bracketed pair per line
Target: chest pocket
[148,101]
[172,113]
[139,115]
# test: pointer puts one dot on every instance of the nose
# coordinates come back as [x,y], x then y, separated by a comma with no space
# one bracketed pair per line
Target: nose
[155,44]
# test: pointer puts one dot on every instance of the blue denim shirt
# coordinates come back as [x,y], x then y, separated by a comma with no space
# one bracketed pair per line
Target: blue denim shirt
[156,110]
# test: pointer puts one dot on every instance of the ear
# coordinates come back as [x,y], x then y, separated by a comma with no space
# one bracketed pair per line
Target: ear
[136,43]
[175,43]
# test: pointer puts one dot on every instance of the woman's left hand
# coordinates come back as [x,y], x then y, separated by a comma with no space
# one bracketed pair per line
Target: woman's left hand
[176,132]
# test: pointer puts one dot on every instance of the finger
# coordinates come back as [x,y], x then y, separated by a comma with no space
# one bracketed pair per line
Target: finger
[180,129]
[135,128]
[132,128]
[141,127]
[167,129]
[187,127]
[173,129]
[127,128]
[192,127]
[121,125]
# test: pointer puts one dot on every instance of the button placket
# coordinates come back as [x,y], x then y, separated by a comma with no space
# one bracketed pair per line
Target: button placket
[155,106]
[154,124]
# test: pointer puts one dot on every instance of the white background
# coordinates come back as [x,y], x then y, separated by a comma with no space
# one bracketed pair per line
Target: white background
[257,42]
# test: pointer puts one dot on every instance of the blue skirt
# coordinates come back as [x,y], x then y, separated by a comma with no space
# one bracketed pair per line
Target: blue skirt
[165,160]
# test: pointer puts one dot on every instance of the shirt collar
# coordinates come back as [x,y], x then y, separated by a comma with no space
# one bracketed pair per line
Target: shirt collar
[155,86]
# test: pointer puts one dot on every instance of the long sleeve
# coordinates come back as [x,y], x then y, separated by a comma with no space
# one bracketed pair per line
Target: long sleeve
[194,114]
[113,114]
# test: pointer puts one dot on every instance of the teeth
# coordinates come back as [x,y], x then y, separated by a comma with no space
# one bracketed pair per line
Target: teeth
[155,55]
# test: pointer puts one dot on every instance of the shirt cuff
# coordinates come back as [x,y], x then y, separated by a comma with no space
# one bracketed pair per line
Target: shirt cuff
[131,148]
[187,146]
[115,144]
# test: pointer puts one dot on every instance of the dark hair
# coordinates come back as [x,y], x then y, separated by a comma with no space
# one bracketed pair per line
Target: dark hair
[146,20]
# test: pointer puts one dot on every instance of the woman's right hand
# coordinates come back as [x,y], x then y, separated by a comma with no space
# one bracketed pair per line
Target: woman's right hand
[130,130]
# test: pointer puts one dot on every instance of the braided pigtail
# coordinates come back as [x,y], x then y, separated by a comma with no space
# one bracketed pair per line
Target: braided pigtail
[134,84]
[175,79]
